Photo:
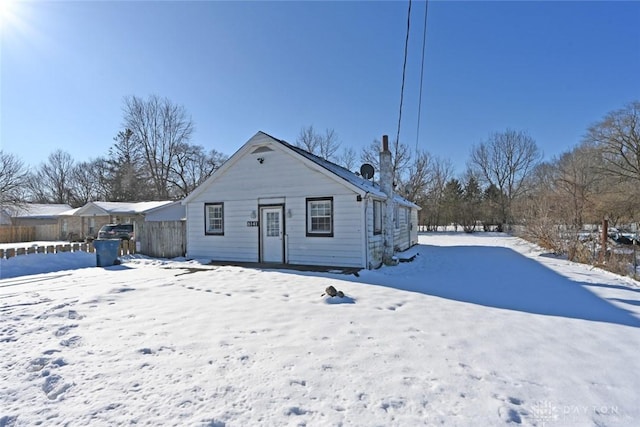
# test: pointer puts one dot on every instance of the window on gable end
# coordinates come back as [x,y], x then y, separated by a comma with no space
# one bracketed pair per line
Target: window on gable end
[214,218]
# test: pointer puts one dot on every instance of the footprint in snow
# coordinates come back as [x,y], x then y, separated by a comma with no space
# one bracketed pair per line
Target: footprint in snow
[74,341]
[54,386]
[294,410]
[64,330]
[74,315]
[37,364]
[509,415]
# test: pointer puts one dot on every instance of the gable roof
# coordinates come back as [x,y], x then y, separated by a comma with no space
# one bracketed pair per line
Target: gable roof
[38,210]
[120,208]
[336,171]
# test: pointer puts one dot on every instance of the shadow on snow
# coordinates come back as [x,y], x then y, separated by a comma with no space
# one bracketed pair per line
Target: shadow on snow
[502,278]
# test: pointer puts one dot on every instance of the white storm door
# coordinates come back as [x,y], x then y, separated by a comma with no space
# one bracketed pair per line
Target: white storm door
[271,230]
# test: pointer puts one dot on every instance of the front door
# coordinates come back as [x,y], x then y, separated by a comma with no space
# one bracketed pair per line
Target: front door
[271,234]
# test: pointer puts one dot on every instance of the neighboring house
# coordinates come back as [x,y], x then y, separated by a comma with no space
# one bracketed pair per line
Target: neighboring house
[94,215]
[44,217]
[30,214]
[70,225]
[272,202]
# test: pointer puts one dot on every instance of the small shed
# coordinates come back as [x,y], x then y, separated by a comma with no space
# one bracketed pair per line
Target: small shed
[273,202]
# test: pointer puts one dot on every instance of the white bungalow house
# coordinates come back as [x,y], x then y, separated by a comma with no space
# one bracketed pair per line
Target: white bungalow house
[272,202]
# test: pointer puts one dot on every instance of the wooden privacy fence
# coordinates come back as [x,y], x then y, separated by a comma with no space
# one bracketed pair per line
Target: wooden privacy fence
[126,248]
[17,233]
[47,232]
[162,239]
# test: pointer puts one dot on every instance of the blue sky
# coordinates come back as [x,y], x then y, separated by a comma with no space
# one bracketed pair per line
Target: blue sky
[548,68]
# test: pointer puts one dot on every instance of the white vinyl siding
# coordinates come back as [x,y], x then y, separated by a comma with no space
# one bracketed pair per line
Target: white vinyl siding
[402,238]
[284,177]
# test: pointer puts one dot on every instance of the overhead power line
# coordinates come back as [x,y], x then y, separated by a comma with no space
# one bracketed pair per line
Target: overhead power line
[404,69]
[424,43]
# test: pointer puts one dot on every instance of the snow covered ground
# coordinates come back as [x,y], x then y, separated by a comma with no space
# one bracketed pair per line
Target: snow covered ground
[479,329]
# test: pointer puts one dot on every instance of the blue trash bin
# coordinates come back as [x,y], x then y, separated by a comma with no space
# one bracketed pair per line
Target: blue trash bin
[106,251]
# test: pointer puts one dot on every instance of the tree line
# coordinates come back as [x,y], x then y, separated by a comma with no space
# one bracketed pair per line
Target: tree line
[151,158]
[506,181]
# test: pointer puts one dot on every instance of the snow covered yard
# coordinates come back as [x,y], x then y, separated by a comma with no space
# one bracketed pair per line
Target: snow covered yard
[478,330]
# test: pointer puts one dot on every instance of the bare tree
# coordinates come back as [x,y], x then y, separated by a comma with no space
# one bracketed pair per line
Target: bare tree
[308,139]
[347,159]
[431,213]
[160,127]
[324,146]
[539,209]
[13,177]
[192,167]
[51,183]
[504,161]
[576,179]
[85,183]
[414,185]
[329,144]
[618,136]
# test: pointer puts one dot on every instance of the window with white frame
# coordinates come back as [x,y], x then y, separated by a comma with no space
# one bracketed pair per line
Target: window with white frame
[377,217]
[320,216]
[214,218]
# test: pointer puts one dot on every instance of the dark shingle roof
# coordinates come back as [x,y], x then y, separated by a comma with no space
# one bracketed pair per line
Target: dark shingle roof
[345,174]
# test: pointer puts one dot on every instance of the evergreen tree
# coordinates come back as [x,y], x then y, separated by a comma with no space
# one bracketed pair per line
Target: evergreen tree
[125,180]
[472,201]
[452,202]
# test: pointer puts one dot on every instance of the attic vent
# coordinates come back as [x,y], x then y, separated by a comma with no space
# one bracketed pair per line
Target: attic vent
[263,149]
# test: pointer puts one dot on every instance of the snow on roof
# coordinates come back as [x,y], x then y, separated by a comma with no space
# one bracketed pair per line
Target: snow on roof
[70,212]
[39,210]
[345,174]
[130,208]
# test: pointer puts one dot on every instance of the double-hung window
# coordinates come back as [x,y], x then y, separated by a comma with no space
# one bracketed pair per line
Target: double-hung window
[214,218]
[320,217]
